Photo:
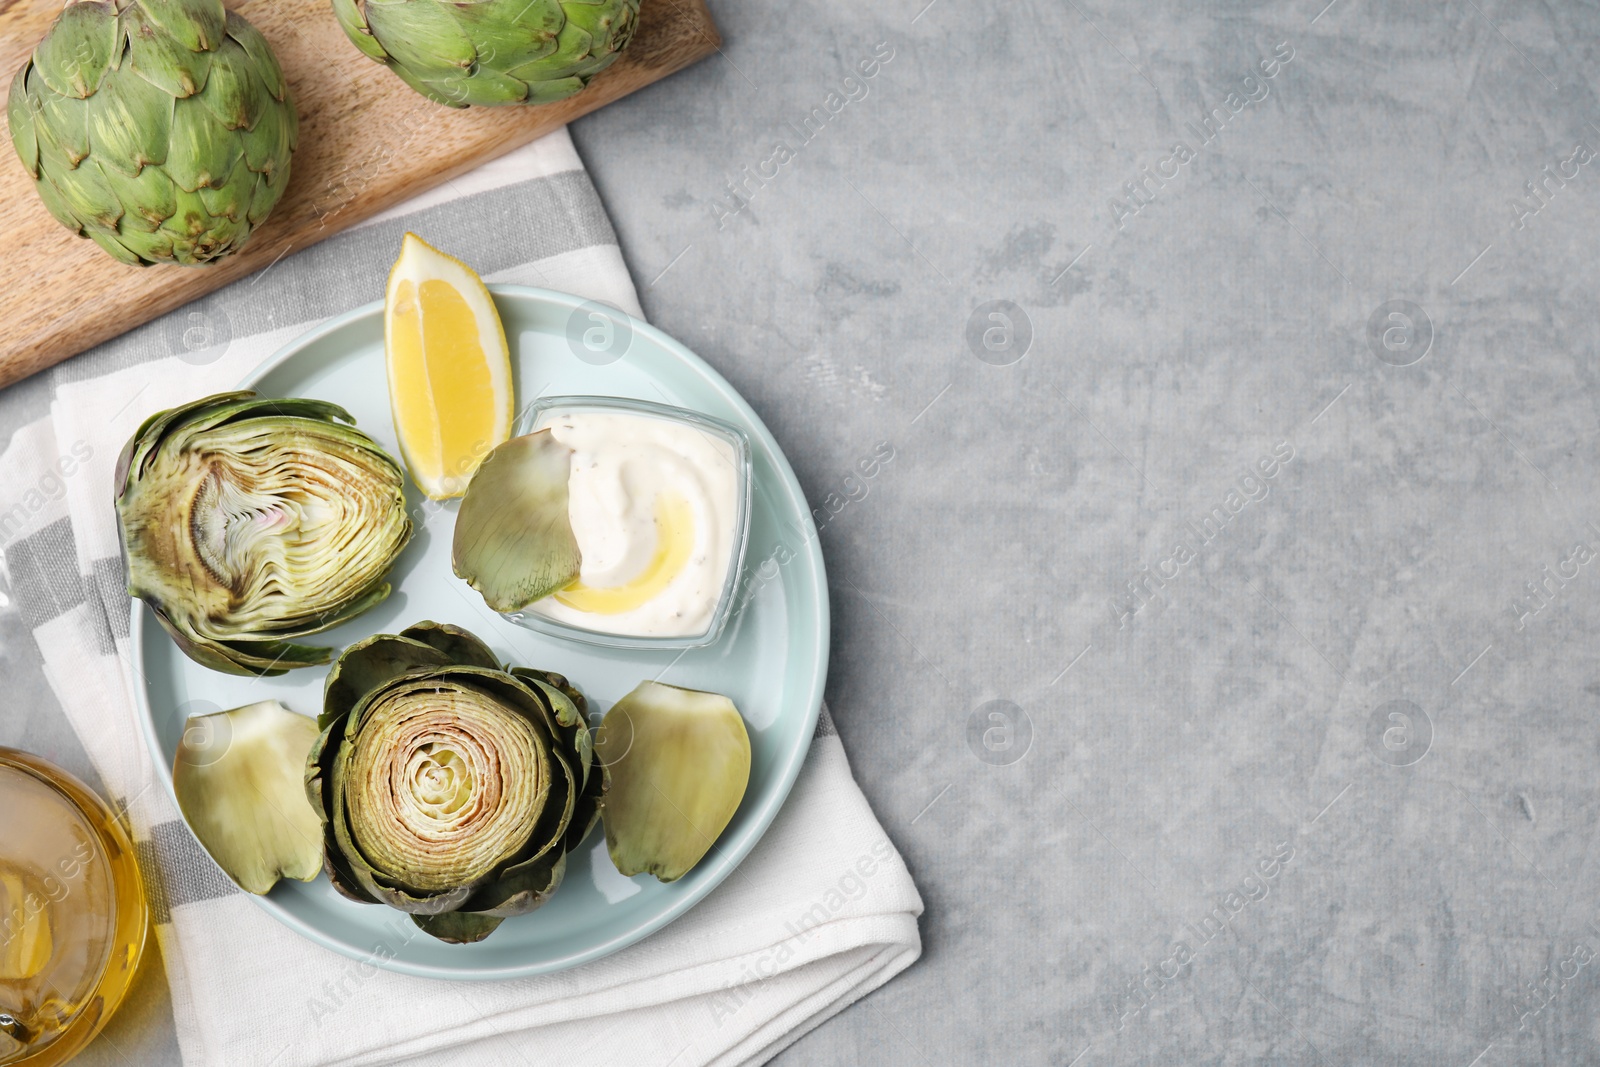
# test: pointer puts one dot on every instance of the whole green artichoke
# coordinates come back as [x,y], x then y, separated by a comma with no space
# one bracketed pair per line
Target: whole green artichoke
[161,129]
[250,522]
[486,52]
[449,788]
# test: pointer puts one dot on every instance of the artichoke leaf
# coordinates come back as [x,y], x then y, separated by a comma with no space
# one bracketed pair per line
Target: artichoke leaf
[130,123]
[88,195]
[201,417]
[147,200]
[343,882]
[591,801]
[259,659]
[458,927]
[196,24]
[459,645]
[237,777]
[263,60]
[512,33]
[270,141]
[115,246]
[369,664]
[513,539]
[19,120]
[484,87]
[548,92]
[230,198]
[679,764]
[269,187]
[568,713]
[57,206]
[161,59]
[451,94]
[61,135]
[354,21]
[574,52]
[522,888]
[233,93]
[200,158]
[73,58]
[64,128]
[422,37]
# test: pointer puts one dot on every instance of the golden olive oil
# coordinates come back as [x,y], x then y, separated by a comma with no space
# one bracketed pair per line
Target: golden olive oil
[72,912]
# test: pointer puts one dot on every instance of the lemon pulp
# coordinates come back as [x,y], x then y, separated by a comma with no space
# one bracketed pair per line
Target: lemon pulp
[449,368]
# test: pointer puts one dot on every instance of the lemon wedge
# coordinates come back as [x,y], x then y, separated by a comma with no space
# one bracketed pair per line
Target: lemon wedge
[449,368]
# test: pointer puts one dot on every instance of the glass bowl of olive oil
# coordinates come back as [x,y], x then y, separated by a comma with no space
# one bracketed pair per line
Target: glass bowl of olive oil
[72,912]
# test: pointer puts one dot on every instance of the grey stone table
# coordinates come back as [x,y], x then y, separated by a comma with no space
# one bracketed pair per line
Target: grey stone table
[1218,643]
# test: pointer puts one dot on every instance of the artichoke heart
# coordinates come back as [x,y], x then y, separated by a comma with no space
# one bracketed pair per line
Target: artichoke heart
[238,780]
[679,761]
[487,52]
[160,129]
[250,522]
[448,787]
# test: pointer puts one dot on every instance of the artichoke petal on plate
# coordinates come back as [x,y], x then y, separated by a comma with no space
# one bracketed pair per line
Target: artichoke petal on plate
[447,787]
[513,539]
[460,646]
[458,927]
[679,763]
[248,523]
[238,779]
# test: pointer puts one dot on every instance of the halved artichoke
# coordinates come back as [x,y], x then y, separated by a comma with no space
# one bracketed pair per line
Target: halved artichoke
[679,761]
[449,788]
[249,522]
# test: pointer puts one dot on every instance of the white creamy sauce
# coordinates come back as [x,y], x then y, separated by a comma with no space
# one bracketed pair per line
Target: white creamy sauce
[654,505]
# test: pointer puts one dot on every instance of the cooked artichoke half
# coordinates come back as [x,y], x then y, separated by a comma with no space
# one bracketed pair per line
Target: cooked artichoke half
[239,779]
[449,788]
[513,540]
[250,522]
[679,761]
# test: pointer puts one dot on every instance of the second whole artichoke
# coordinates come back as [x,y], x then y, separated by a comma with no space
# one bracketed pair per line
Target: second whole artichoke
[487,52]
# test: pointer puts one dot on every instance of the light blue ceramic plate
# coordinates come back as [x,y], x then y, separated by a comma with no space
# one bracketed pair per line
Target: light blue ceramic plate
[772,660]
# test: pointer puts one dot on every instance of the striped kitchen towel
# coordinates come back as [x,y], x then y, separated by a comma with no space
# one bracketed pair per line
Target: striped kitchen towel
[824,911]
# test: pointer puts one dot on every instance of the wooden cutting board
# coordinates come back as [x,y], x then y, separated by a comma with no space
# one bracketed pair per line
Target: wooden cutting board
[367,142]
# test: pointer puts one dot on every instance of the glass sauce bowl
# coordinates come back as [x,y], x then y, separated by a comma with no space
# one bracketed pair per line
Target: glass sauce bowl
[546,409]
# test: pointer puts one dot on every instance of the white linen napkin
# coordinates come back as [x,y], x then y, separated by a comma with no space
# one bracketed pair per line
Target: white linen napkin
[822,912]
